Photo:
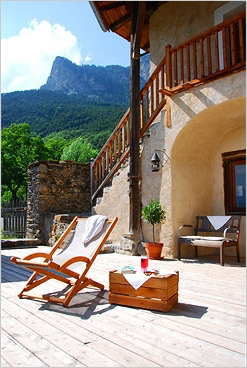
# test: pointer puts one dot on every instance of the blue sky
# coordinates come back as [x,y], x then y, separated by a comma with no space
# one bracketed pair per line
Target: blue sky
[33,33]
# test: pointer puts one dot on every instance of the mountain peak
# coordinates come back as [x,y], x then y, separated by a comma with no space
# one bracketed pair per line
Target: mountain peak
[96,82]
[88,80]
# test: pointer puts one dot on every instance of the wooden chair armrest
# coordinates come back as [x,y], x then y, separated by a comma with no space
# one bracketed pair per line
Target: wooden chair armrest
[236,232]
[46,256]
[183,226]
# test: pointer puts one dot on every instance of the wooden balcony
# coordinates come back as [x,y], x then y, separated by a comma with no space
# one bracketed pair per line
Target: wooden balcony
[214,53]
[211,55]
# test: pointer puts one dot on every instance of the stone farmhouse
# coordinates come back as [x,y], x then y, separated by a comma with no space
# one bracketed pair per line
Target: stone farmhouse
[192,115]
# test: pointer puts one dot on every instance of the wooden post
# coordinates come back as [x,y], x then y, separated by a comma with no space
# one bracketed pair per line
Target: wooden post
[168,112]
[134,189]
[169,81]
[138,9]
[168,67]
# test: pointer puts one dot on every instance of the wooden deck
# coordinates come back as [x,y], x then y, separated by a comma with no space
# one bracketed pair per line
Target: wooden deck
[207,328]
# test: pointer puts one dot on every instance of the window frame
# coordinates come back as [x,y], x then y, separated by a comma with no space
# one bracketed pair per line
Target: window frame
[230,161]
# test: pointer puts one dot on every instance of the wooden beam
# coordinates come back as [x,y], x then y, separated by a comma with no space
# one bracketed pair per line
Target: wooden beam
[114,5]
[166,92]
[119,23]
[137,21]
[139,28]
[168,112]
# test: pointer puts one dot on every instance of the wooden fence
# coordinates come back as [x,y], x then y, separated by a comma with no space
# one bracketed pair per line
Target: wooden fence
[13,219]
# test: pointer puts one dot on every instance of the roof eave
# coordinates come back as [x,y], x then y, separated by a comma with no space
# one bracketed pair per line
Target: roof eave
[98,16]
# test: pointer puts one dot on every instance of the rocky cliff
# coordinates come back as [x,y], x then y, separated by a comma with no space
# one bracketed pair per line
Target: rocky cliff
[110,83]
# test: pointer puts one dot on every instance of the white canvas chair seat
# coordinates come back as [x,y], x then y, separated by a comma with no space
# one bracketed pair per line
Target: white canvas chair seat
[69,265]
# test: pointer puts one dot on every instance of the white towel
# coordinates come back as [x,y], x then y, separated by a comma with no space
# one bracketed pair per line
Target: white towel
[136,279]
[94,225]
[218,221]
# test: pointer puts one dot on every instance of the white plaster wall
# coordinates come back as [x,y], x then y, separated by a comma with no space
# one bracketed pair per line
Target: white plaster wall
[230,142]
[115,202]
[204,122]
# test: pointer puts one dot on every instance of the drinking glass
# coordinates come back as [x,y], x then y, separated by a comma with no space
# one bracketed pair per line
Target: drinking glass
[144,263]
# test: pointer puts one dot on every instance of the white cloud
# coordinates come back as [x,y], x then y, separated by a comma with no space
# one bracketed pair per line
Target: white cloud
[26,59]
[88,58]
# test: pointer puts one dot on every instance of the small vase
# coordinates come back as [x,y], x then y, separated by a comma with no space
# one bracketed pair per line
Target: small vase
[153,250]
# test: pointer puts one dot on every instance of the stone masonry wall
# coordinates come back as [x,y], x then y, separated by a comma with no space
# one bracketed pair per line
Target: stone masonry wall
[55,188]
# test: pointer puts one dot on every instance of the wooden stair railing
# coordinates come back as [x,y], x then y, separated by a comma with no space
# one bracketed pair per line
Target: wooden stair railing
[111,156]
[210,55]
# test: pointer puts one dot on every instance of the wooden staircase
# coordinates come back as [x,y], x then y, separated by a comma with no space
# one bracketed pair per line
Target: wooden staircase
[208,56]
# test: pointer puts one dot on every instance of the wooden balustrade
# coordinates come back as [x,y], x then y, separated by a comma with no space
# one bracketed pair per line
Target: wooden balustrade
[112,155]
[216,52]
[212,53]
[151,100]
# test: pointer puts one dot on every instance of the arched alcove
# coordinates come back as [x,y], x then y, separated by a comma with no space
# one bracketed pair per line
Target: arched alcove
[197,173]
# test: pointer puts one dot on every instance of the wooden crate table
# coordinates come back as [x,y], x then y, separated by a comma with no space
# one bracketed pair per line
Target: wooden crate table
[157,293]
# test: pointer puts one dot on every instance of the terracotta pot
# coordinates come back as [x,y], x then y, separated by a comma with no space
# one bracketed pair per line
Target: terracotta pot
[153,250]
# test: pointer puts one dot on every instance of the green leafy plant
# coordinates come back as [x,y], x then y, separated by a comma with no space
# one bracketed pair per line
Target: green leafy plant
[80,150]
[7,236]
[153,213]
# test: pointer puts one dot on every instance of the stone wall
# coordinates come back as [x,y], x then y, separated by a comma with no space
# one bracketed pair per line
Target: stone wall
[55,188]
[59,225]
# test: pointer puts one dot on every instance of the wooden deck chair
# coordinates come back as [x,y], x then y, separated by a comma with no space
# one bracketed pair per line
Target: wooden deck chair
[69,265]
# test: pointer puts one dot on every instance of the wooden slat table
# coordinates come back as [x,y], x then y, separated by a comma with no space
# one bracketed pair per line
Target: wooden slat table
[157,293]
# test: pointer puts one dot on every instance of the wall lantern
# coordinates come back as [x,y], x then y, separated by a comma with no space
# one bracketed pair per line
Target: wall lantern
[155,160]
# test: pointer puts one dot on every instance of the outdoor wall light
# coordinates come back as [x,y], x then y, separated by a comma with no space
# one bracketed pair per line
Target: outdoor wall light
[155,160]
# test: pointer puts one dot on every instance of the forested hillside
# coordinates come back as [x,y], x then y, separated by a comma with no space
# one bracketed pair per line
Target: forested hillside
[52,114]
[69,118]
[77,101]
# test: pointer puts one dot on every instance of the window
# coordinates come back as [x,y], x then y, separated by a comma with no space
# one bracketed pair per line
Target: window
[234,164]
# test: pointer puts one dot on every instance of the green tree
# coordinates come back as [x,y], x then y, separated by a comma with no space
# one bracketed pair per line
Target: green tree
[18,149]
[55,147]
[80,150]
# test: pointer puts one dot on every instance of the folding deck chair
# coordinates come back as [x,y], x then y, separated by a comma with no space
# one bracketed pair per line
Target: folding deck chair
[71,264]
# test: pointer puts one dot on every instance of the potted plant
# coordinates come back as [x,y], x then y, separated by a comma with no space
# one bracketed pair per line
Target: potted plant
[153,213]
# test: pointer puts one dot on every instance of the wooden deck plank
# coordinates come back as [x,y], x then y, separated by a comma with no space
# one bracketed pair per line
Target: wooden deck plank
[67,330]
[191,330]
[205,328]
[14,354]
[94,338]
[26,331]
[165,333]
